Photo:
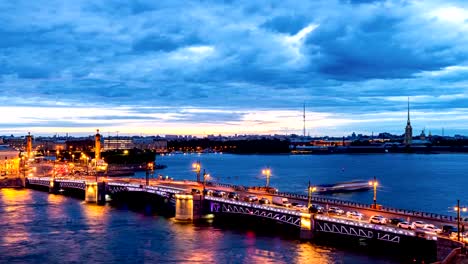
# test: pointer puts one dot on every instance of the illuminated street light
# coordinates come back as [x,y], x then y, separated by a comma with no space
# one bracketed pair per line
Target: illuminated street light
[197,168]
[310,190]
[205,178]
[149,171]
[458,209]
[374,183]
[267,173]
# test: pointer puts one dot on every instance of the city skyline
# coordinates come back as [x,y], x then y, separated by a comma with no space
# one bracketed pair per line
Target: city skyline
[233,68]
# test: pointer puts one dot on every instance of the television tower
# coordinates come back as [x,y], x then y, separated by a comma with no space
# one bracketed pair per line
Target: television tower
[304,121]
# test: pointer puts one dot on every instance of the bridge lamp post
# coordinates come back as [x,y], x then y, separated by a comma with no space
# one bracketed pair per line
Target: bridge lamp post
[458,209]
[374,183]
[205,177]
[149,170]
[87,162]
[267,173]
[310,190]
[197,168]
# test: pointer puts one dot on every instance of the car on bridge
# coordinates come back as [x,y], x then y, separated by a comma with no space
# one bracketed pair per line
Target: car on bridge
[233,196]
[264,201]
[208,192]
[354,215]
[316,209]
[300,207]
[378,219]
[432,229]
[251,198]
[336,210]
[418,224]
[396,221]
[406,225]
[220,194]
[448,229]
[281,201]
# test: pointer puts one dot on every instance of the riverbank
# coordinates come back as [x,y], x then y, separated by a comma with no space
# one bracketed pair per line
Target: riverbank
[11,182]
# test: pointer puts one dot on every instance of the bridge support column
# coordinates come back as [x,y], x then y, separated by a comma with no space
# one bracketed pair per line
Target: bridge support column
[91,192]
[197,206]
[184,207]
[53,186]
[307,227]
[101,193]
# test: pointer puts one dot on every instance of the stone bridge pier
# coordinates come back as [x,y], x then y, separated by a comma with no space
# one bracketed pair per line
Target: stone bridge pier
[184,207]
[54,186]
[95,192]
[188,207]
[307,224]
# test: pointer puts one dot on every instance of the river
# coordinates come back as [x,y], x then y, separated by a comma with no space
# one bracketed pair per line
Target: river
[41,228]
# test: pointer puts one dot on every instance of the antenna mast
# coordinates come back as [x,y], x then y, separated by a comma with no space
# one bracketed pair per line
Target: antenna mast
[304,121]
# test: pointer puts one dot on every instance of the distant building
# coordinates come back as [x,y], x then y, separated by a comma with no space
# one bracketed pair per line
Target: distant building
[408,130]
[112,144]
[151,143]
[15,142]
[9,160]
[423,135]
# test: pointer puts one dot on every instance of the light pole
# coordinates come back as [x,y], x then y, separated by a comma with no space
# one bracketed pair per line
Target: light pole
[374,183]
[149,170]
[458,209]
[205,177]
[267,173]
[87,164]
[197,167]
[310,190]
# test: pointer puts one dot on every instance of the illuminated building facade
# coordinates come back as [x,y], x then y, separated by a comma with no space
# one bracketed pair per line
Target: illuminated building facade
[9,161]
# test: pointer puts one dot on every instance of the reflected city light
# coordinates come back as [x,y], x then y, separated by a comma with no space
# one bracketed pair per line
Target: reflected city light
[13,208]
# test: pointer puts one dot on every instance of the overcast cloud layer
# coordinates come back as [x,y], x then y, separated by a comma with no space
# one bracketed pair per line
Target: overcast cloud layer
[203,67]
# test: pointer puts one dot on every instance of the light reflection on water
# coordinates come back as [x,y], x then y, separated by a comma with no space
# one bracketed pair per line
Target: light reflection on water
[15,234]
[44,228]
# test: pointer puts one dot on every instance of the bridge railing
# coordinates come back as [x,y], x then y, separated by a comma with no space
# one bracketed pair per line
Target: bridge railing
[334,201]
[253,205]
[235,187]
[411,213]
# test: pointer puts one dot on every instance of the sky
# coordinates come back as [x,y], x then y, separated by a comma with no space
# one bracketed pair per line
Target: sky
[148,67]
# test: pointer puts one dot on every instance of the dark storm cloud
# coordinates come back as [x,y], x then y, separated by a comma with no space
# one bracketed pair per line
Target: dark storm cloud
[339,56]
[165,43]
[286,24]
[375,48]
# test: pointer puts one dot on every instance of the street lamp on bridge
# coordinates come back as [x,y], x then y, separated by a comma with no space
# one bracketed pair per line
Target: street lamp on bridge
[149,172]
[310,190]
[374,183]
[197,168]
[205,177]
[458,209]
[267,173]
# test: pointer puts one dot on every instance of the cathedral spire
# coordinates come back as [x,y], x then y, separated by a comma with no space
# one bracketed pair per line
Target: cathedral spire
[408,122]
[408,130]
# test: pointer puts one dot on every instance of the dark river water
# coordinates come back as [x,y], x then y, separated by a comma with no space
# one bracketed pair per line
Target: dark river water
[40,228]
